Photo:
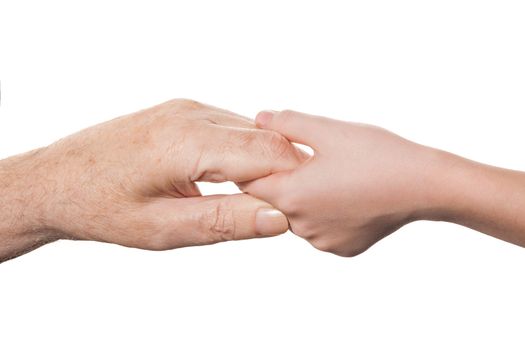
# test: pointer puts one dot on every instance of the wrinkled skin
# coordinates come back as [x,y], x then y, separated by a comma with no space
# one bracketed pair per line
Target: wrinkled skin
[131,181]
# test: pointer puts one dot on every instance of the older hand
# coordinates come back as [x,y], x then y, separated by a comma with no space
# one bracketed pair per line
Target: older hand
[131,181]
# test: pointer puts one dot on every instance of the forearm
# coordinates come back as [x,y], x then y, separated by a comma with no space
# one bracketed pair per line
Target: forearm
[485,198]
[21,203]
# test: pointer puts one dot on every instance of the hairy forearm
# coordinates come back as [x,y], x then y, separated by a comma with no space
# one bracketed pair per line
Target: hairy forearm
[485,198]
[22,199]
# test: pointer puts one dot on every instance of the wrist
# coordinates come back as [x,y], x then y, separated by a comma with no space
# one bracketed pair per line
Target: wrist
[23,197]
[444,186]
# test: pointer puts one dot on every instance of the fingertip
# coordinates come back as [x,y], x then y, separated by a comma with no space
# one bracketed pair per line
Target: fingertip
[264,118]
[270,222]
[295,126]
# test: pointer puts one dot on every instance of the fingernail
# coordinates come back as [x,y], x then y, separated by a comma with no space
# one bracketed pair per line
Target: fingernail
[264,117]
[270,222]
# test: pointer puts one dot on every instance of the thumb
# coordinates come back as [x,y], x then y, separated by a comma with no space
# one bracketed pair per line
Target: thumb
[295,126]
[218,218]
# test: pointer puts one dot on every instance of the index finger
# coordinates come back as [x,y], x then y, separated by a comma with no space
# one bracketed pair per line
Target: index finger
[240,154]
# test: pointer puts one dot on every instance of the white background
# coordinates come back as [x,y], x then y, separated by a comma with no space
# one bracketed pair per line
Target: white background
[450,74]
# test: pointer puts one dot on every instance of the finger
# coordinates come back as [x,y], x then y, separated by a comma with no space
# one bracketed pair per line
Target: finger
[219,116]
[296,127]
[227,118]
[212,219]
[238,154]
[269,188]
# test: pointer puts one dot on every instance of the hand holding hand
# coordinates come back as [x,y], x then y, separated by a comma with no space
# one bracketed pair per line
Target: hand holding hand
[361,184]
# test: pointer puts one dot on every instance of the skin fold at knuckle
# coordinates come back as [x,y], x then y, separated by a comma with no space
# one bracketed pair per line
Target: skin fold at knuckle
[276,147]
[218,222]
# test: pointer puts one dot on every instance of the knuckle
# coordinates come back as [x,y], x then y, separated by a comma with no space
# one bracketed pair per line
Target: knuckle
[245,138]
[219,222]
[333,244]
[276,145]
[269,144]
[322,244]
[340,248]
[186,104]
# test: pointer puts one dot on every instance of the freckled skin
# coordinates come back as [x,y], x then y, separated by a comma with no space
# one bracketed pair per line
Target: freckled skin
[363,183]
[131,181]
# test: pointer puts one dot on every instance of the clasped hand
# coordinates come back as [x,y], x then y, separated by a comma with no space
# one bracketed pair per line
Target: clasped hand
[132,181]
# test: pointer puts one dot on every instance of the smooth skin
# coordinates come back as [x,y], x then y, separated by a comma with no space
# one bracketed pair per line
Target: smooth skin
[364,182]
[132,181]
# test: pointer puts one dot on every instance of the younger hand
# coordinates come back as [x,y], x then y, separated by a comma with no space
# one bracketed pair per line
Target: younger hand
[361,184]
